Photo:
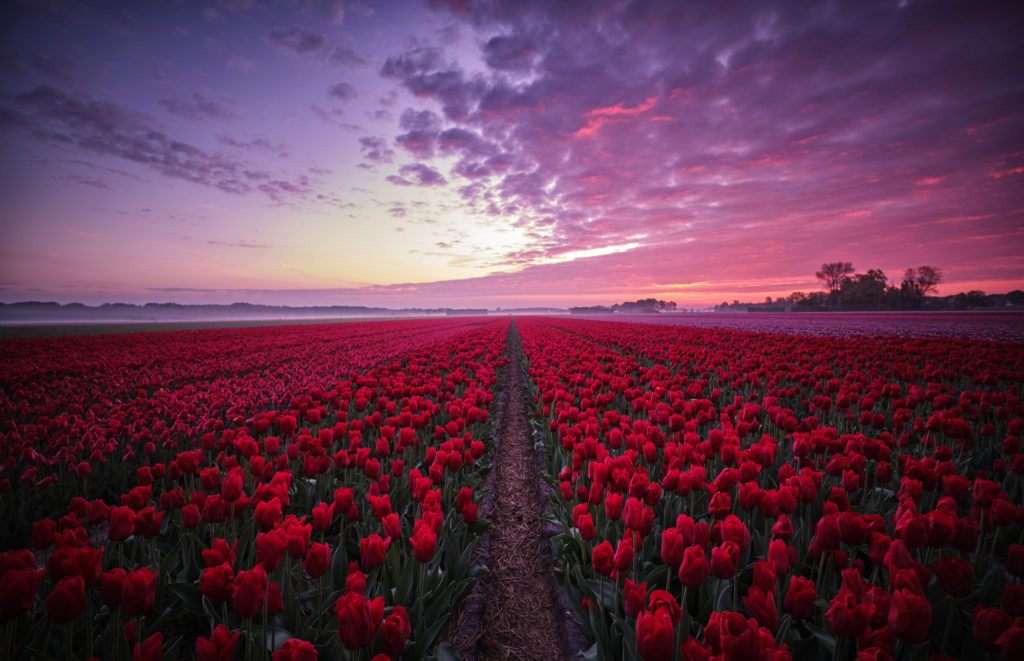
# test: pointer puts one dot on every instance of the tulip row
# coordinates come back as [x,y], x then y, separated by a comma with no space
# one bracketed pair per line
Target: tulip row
[737,495]
[288,492]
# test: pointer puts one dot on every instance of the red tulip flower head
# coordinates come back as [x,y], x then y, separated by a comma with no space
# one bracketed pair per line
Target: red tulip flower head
[359,619]
[219,647]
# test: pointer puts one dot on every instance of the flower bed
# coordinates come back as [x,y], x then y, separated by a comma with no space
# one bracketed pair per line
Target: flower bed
[245,492]
[730,494]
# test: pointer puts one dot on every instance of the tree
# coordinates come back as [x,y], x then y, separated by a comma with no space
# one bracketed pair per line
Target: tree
[809,301]
[864,290]
[917,283]
[928,279]
[833,274]
[922,280]
[972,299]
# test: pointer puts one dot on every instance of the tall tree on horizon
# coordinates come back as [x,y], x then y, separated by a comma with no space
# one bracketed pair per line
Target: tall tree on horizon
[833,274]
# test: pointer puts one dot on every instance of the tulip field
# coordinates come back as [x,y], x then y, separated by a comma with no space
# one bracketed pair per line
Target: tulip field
[231,493]
[318,491]
[739,495]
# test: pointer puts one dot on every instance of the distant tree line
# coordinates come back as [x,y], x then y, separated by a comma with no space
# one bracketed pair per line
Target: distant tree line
[845,289]
[641,306]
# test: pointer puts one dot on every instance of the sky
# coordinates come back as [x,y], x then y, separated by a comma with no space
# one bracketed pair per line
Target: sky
[504,153]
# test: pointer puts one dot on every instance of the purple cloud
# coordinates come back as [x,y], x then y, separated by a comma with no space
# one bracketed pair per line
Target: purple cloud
[423,73]
[417,174]
[376,149]
[422,129]
[342,92]
[515,53]
[295,41]
[197,108]
[102,127]
[667,123]
[347,57]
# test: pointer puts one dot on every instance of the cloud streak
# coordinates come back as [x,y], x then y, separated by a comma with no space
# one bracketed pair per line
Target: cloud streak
[105,128]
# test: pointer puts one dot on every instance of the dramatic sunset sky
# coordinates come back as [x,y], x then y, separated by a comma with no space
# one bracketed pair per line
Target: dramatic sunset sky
[504,152]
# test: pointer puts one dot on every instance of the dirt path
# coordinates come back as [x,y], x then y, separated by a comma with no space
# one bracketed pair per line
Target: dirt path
[521,617]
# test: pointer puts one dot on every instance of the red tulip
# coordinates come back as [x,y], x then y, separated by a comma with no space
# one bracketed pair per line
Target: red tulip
[139,591]
[44,532]
[848,617]
[910,615]
[654,636]
[318,560]
[624,553]
[827,536]
[800,597]
[778,556]
[323,516]
[672,547]
[988,624]
[424,542]
[662,601]
[217,583]
[358,619]
[725,560]
[220,553]
[761,605]
[734,530]
[67,599]
[297,538]
[694,569]
[955,575]
[190,516]
[112,586]
[1011,643]
[219,647]
[636,597]
[270,547]
[395,632]
[151,649]
[586,527]
[1015,560]
[268,513]
[355,580]
[83,561]
[1013,600]
[720,505]
[392,526]
[633,514]
[602,558]
[372,550]
[250,591]
[18,589]
[613,506]
[148,522]
[231,489]
[296,650]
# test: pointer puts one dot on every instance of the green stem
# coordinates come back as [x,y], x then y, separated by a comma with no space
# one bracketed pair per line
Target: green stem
[88,626]
[266,598]
[419,607]
[9,637]
[785,630]
[992,551]
[949,624]
[981,533]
